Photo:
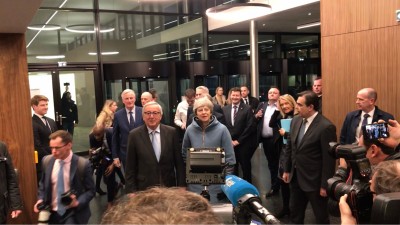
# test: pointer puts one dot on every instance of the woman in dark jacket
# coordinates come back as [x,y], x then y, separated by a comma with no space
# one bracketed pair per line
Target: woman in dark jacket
[287,109]
[69,113]
[9,190]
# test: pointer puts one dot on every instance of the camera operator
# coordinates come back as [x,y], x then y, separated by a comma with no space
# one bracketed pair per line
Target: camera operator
[386,179]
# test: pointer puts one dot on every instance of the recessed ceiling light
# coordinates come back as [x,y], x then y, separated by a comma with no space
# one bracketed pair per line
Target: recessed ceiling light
[104,53]
[44,27]
[50,56]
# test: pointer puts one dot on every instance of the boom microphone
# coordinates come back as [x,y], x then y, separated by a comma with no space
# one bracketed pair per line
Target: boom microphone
[243,194]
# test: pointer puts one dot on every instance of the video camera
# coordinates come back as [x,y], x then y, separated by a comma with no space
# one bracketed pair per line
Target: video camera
[98,157]
[360,198]
[205,166]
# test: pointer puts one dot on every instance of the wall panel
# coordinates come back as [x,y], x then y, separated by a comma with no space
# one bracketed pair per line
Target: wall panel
[359,48]
[15,119]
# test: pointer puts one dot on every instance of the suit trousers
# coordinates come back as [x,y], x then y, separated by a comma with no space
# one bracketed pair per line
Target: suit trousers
[67,218]
[243,155]
[272,155]
[299,200]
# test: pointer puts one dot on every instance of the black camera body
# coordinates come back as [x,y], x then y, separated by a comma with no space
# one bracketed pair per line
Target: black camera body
[98,157]
[66,197]
[360,198]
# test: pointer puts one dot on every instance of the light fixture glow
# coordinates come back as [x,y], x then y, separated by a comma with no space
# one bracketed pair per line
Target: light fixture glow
[104,53]
[246,11]
[50,56]
[86,29]
[308,25]
[44,27]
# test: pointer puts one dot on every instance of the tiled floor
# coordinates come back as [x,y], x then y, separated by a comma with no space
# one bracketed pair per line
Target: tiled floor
[261,180]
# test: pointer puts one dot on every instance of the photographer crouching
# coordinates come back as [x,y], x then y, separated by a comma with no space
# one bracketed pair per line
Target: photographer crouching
[352,185]
[101,160]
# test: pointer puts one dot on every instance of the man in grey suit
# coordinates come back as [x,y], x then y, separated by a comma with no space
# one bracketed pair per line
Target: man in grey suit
[308,165]
[153,154]
[125,120]
[241,125]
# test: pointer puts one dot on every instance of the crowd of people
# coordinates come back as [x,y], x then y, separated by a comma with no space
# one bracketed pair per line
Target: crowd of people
[139,151]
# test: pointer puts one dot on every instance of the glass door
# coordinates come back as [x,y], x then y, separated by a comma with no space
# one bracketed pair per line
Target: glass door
[78,89]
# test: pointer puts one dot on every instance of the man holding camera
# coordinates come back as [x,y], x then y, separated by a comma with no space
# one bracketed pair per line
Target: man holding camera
[384,180]
[66,186]
[367,113]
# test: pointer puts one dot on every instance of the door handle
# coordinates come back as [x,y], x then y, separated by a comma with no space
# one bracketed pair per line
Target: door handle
[60,117]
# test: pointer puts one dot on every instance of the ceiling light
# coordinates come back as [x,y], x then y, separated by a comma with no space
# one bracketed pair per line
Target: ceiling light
[308,25]
[50,56]
[104,53]
[246,11]
[86,29]
[44,27]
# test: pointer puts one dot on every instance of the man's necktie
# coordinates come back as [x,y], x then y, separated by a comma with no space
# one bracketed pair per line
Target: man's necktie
[47,124]
[156,144]
[234,113]
[60,189]
[245,101]
[302,131]
[131,120]
[365,120]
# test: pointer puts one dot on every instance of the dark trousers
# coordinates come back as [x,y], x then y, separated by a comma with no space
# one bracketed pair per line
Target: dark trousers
[67,218]
[272,155]
[69,126]
[299,200]
[285,191]
[243,155]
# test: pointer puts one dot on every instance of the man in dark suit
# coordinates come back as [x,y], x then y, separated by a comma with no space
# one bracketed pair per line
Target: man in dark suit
[42,128]
[125,120]
[154,154]
[241,126]
[307,164]
[367,113]
[269,136]
[76,174]
[317,89]
[247,99]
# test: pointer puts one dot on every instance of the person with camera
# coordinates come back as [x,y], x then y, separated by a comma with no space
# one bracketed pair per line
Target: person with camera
[386,179]
[101,158]
[67,185]
[8,186]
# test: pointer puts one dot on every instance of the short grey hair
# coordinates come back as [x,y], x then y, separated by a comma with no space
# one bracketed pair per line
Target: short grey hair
[126,91]
[204,88]
[204,101]
[150,104]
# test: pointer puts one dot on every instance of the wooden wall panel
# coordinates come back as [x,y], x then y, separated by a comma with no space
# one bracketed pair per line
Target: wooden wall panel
[345,16]
[15,119]
[351,61]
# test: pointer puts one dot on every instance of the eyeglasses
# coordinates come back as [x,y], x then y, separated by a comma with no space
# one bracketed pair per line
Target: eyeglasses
[152,113]
[57,147]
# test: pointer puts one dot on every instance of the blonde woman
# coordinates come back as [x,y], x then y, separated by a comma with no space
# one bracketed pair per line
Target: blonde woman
[106,115]
[219,97]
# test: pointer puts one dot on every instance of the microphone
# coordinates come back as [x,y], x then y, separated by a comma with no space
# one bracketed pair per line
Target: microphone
[242,193]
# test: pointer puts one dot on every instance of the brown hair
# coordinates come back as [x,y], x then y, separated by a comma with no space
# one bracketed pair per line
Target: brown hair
[65,136]
[37,98]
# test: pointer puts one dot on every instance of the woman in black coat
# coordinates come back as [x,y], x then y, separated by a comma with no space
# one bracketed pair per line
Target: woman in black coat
[287,109]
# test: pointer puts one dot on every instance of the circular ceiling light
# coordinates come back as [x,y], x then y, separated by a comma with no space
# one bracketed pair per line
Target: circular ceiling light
[44,27]
[86,29]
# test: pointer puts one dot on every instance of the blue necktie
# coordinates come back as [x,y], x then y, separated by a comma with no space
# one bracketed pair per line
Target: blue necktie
[131,120]
[156,144]
[60,189]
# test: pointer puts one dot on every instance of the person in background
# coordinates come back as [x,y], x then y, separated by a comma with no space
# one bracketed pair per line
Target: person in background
[317,89]
[286,110]
[42,126]
[106,116]
[162,206]
[69,113]
[219,97]
[207,132]
[146,97]
[181,111]
[9,190]
[247,99]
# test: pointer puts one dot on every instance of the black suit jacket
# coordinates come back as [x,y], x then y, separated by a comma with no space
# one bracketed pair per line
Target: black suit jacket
[142,168]
[253,102]
[41,135]
[350,124]
[260,123]
[244,123]
[314,166]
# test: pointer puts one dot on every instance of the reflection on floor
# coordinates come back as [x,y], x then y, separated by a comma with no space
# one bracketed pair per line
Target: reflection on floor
[261,180]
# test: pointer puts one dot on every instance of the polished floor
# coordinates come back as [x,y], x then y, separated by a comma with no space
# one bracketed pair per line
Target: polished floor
[261,180]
